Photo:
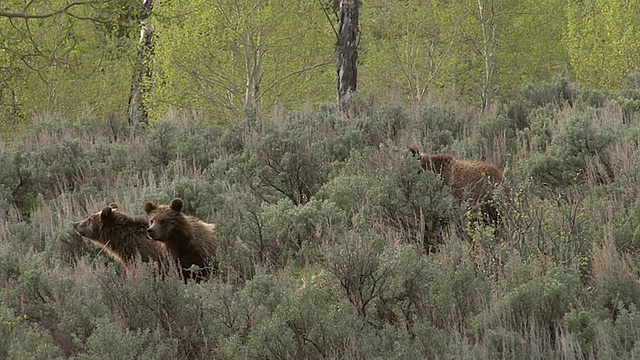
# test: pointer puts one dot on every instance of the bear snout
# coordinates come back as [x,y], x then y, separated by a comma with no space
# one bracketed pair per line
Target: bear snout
[152,234]
[81,228]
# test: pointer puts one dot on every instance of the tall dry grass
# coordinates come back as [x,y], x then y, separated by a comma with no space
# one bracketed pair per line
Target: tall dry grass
[322,250]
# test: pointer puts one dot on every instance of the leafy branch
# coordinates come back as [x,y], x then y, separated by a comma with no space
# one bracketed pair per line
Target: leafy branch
[23,14]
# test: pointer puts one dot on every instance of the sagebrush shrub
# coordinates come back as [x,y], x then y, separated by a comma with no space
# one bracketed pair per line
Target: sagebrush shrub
[438,127]
[325,224]
[162,143]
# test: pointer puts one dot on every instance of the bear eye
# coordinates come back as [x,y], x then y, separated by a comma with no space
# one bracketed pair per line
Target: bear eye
[150,221]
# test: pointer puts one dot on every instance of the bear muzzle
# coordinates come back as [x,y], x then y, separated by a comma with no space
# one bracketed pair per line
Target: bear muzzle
[152,234]
[82,229]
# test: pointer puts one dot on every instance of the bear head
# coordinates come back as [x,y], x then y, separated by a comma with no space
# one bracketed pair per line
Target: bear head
[437,163]
[165,221]
[93,226]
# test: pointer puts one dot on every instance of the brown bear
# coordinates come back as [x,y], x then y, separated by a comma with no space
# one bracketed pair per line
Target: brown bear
[468,179]
[190,240]
[122,236]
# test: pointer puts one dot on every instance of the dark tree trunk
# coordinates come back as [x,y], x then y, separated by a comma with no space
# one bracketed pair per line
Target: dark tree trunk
[347,53]
[137,112]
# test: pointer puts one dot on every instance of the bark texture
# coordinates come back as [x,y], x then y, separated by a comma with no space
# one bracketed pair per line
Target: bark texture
[347,53]
[137,112]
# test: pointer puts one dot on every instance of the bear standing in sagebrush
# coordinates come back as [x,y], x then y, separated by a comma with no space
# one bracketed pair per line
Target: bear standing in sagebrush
[468,179]
[122,236]
[190,240]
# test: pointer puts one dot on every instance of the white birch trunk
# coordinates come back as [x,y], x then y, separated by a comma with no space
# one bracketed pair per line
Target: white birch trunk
[489,41]
[253,66]
[137,112]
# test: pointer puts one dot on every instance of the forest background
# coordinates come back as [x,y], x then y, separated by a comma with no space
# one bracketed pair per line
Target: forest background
[220,59]
[333,245]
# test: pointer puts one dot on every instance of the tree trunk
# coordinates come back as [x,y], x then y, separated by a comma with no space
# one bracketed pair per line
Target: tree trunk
[347,53]
[137,112]
[253,55]
[489,40]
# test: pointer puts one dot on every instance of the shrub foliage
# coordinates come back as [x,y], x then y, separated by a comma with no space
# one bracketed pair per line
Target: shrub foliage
[333,243]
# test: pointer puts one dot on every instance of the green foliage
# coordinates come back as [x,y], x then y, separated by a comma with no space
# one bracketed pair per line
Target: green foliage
[438,127]
[628,97]
[68,157]
[537,135]
[384,126]
[242,58]
[410,201]
[625,232]
[602,41]
[238,57]
[572,153]
[494,132]
[616,288]
[592,97]
[198,145]
[558,93]
[66,64]
[162,143]
[592,329]
[109,340]
[333,242]
[583,324]
[392,189]
[580,139]
[289,162]
[409,60]
[289,228]
[418,49]
[543,300]
[530,48]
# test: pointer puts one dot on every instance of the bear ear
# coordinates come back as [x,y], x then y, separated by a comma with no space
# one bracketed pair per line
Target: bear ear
[106,213]
[113,206]
[149,207]
[176,204]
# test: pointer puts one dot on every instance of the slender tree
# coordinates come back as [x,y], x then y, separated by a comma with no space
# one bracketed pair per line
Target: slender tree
[65,57]
[411,46]
[228,58]
[347,53]
[489,46]
[137,112]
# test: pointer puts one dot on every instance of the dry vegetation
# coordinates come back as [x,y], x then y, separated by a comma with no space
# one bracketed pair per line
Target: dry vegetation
[334,246]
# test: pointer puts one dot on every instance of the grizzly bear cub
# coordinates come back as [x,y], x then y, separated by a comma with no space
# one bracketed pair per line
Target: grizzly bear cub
[190,240]
[123,237]
[468,179]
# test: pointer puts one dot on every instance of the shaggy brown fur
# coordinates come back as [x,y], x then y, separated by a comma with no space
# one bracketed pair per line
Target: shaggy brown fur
[468,179]
[121,236]
[190,240]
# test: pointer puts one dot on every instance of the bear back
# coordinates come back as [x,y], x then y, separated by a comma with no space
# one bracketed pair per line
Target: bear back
[468,179]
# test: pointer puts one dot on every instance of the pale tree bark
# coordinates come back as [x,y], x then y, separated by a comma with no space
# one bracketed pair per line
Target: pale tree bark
[347,53]
[489,42]
[253,55]
[141,71]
